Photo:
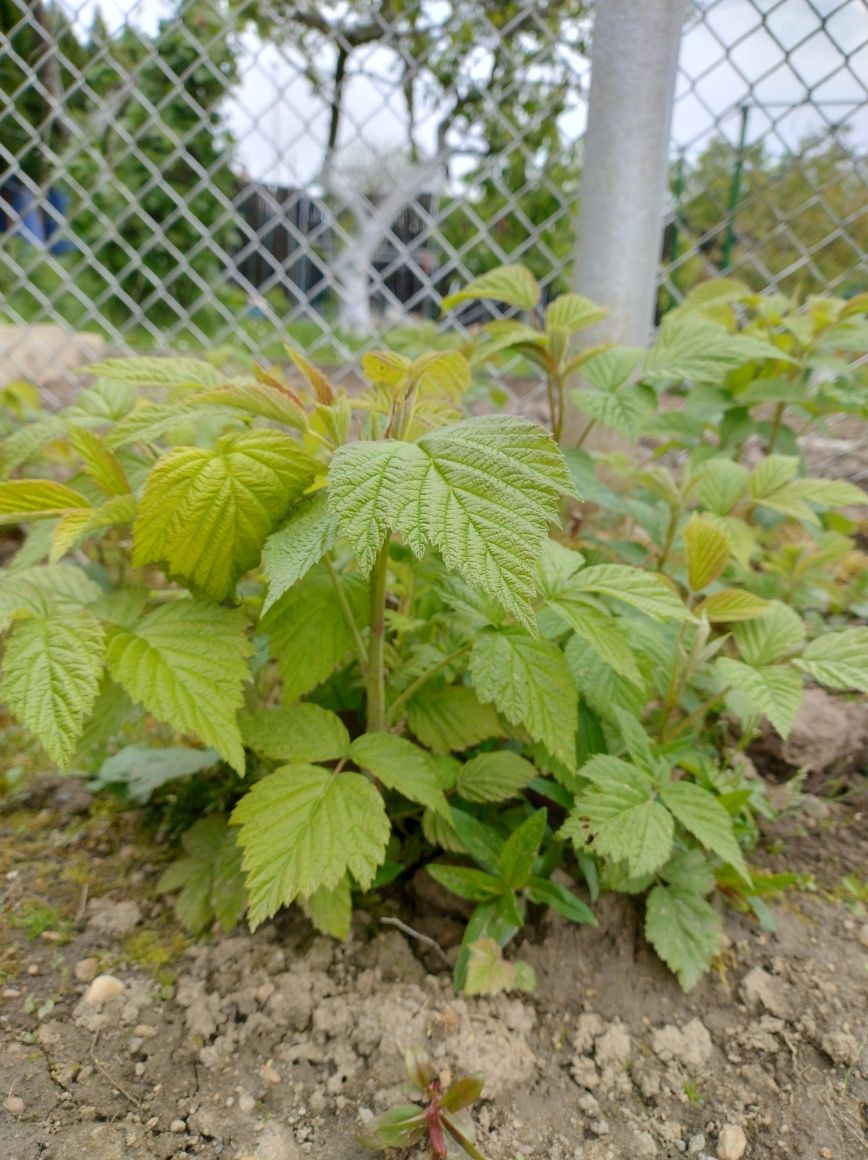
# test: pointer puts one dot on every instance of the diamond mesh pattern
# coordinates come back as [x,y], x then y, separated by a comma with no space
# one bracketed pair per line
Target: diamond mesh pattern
[167,182]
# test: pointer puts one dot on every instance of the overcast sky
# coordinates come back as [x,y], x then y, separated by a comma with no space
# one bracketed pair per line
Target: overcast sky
[733,54]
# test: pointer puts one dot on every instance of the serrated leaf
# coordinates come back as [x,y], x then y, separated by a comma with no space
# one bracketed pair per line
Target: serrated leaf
[442,372]
[142,769]
[308,632]
[494,777]
[521,848]
[838,660]
[505,334]
[450,718]
[732,604]
[529,681]
[300,733]
[684,930]
[723,485]
[403,766]
[771,474]
[386,367]
[150,421]
[22,500]
[647,591]
[474,885]
[560,899]
[514,285]
[291,551]
[489,973]
[572,312]
[619,813]
[708,551]
[208,876]
[705,818]
[331,911]
[439,832]
[99,462]
[64,584]
[163,372]
[602,687]
[603,633]
[27,441]
[624,410]
[772,690]
[607,370]
[206,513]
[691,348]
[829,492]
[254,397]
[51,673]
[313,376]
[302,828]
[482,491]
[186,663]
[74,525]
[769,637]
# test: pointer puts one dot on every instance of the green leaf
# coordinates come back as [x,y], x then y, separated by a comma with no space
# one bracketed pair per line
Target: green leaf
[450,718]
[482,491]
[529,681]
[65,585]
[99,462]
[708,551]
[206,513]
[560,899]
[161,372]
[400,1127]
[705,818]
[610,369]
[723,485]
[74,525]
[482,842]
[494,777]
[303,827]
[624,410]
[514,285]
[440,372]
[691,348]
[331,911]
[291,551]
[22,500]
[51,674]
[208,876]
[838,660]
[621,817]
[647,591]
[401,765]
[604,635]
[300,733]
[829,492]
[186,663]
[462,1093]
[732,604]
[27,441]
[771,474]
[149,421]
[308,632]
[475,885]
[521,848]
[769,637]
[602,687]
[772,690]
[142,768]
[572,312]
[255,397]
[385,367]
[684,930]
[488,972]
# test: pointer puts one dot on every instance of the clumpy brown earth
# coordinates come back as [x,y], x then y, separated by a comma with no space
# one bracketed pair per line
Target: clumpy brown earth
[278,1045]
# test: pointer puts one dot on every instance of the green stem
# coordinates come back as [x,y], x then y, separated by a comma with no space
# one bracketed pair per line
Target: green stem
[676,683]
[376,677]
[696,715]
[416,685]
[670,538]
[361,650]
[587,431]
[776,426]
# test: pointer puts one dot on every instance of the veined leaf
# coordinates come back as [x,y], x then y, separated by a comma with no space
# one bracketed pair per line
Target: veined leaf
[771,474]
[732,604]
[619,814]
[694,349]
[603,633]
[331,911]
[514,285]
[71,527]
[772,690]
[572,312]
[308,631]
[300,733]
[162,372]
[206,513]
[64,584]
[624,410]
[705,818]
[494,777]
[149,421]
[684,930]
[768,637]
[186,663]
[302,828]
[386,367]
[838,660]
[254,397]
[560,899]
[401,765]
[471,884]
[829,492]
[723,484]
[28,440]
[441,372]
[208,876]
[323,391]
[489,973]
[291,551]
[602,687]
[22,500]
[483,491]
[530,683]
[99,462]
[607,370]
[708,552]
[142,769]
[451,718]
[646,591]
[51,674]
[520,850]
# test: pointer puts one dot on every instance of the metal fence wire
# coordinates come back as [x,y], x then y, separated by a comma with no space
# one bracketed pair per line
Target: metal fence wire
[183,174]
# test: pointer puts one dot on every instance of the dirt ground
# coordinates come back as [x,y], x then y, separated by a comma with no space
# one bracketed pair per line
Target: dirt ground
[278,1045]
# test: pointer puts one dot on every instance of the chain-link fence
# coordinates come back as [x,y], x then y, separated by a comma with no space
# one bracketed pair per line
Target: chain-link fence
[188,174]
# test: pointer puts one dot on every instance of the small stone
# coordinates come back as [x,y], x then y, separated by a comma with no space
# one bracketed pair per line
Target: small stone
[103,989]
[269,1073]
[732,1142]
[144,1031]
[643,1145]
[246,1103]
[177,1126]
[599,1127]
[695,1144]
[613,1046]
[14,1105]
[114,918]
[86,970]
[33,969]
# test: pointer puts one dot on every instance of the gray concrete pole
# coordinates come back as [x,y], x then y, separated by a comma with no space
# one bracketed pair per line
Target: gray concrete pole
[625,165]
